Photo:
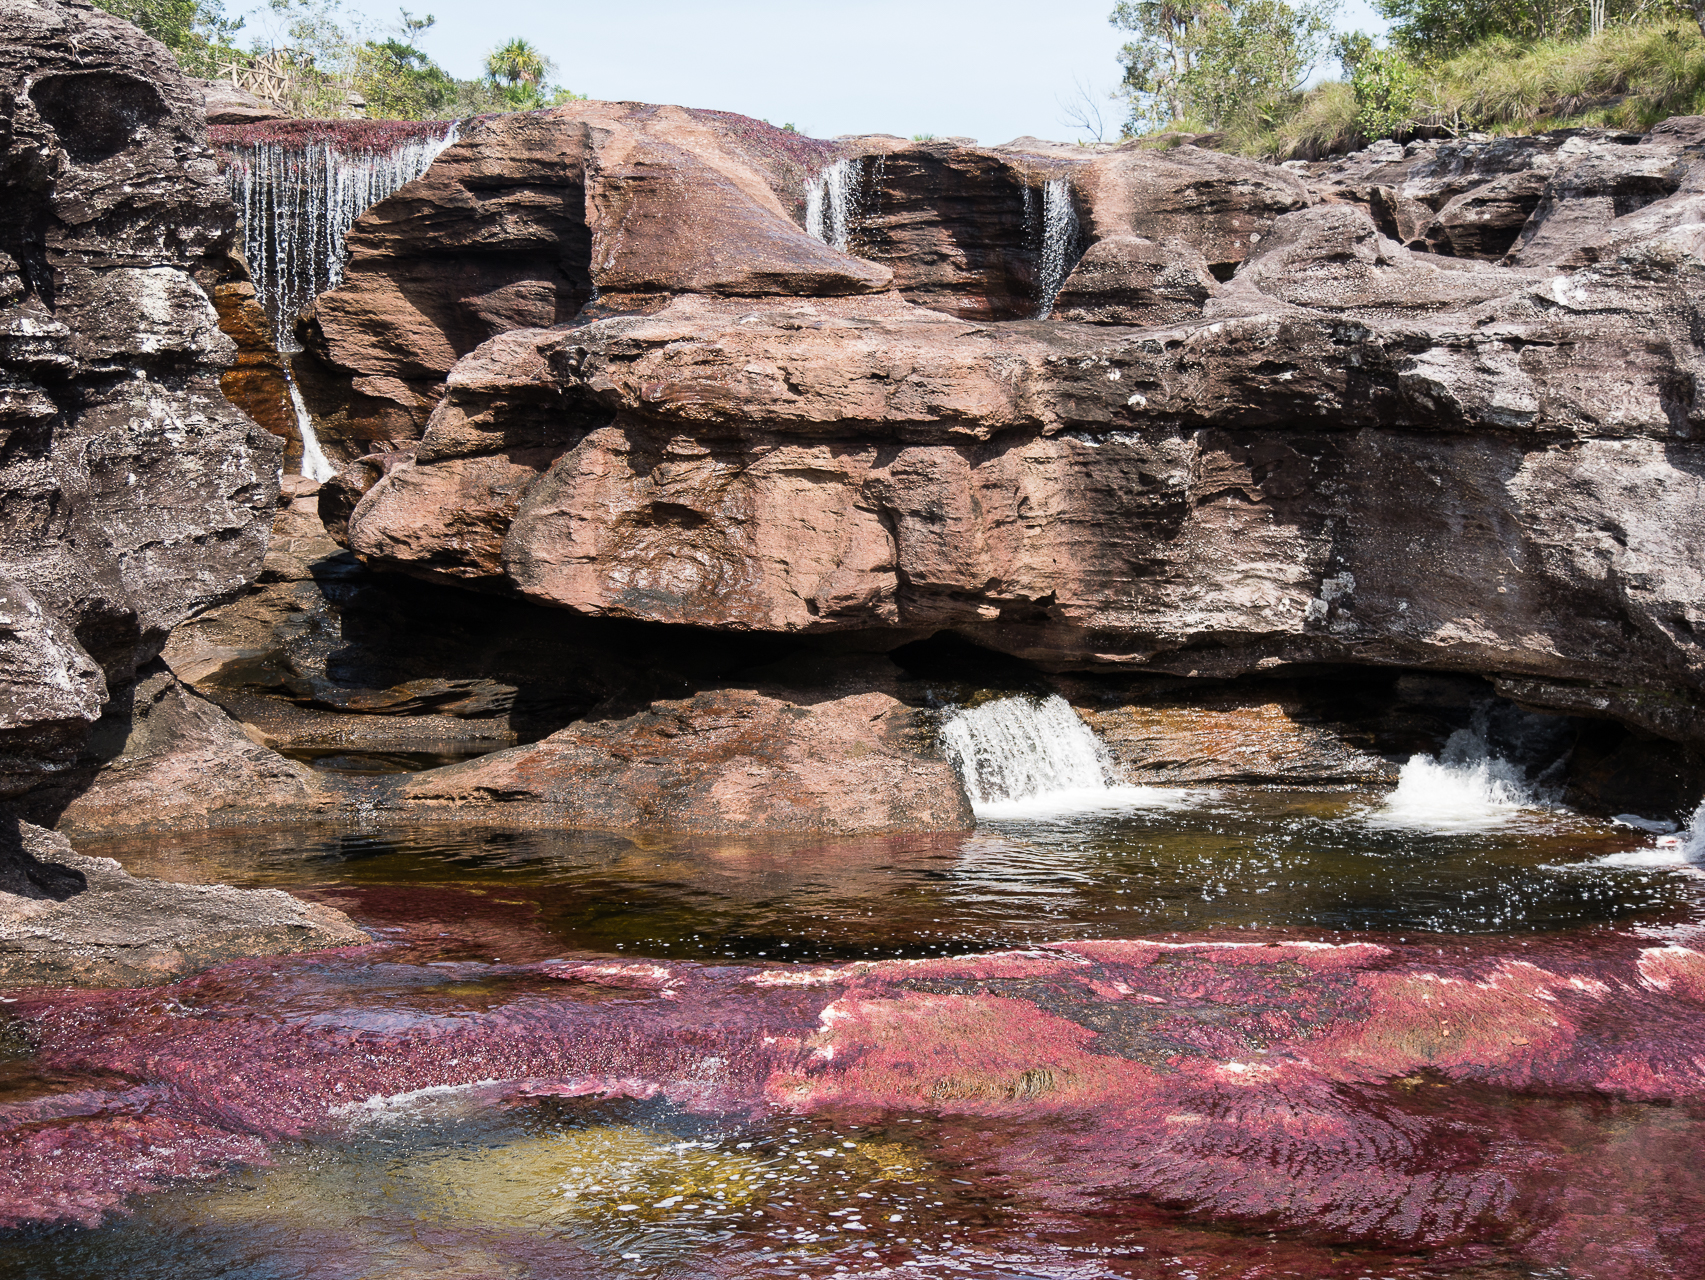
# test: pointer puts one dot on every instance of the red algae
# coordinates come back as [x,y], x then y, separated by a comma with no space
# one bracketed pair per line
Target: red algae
[1391,1096]
[349,136]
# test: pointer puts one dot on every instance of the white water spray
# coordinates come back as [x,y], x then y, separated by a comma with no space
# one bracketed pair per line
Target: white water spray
[831,204]
[1466,788]
[297,205]
[1059,242]
[315,465]
[1023,757]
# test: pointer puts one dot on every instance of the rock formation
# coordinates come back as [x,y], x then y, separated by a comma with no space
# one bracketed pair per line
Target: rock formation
[1351,450]
[135,495]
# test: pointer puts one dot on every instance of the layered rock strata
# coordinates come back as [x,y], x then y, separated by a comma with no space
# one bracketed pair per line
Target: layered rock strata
[134,494]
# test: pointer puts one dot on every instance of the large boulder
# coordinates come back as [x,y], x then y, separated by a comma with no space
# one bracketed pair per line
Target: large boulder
[135,495]
[529,216]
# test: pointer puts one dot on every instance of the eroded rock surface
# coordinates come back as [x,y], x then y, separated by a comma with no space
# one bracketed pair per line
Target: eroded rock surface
[134,494]
[67,919]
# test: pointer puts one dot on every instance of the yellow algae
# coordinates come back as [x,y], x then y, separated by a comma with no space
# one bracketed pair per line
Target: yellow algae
[617,1170]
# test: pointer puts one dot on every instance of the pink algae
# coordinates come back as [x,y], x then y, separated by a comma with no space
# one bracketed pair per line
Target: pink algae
[1399,1096]
[349,136]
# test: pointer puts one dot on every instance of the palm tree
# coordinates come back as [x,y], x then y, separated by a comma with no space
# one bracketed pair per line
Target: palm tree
[518,63]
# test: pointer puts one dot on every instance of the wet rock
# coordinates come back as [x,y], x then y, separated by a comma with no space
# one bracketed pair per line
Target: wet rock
[74,920]
[846,760]
[1236,735]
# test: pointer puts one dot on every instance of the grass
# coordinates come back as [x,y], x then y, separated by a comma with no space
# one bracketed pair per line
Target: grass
[1627,77]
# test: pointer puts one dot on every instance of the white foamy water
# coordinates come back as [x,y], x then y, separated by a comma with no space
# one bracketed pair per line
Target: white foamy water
[830,205]
[1059,243]
[1466,788]
[315,464]
[1683,852]
[298,203]
[1022,757]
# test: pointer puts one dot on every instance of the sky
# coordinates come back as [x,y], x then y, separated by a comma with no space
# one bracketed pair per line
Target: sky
[992,70]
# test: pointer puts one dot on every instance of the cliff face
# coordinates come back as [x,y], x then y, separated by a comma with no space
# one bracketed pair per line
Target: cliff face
[1283,417]
[134,494]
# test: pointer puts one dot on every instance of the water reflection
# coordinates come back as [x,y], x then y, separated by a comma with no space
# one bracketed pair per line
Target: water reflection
[1251,861]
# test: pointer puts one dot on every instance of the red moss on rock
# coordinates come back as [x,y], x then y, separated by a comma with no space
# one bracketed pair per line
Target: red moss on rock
[350,136]
[1394,1096]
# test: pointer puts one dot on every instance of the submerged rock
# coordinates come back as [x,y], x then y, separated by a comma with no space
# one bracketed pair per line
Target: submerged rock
[1339,1094]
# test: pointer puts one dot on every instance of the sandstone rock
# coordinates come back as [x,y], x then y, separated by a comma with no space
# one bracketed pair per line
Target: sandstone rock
[164,758]
[845,761]
[519,222]
[76,920]
[1359,453]
[227,104]
[1233,736]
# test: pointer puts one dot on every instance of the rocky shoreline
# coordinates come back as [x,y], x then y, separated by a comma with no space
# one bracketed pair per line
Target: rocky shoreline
[658,510]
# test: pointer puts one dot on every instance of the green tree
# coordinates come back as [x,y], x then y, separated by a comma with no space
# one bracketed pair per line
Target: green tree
[197,31]
[1387,87]
[1237,64]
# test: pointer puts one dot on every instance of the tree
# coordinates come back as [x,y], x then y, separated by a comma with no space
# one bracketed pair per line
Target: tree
[195,30]
[1219,63]
[518,63]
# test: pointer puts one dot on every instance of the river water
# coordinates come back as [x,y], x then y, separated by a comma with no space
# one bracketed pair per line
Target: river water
[458,1178]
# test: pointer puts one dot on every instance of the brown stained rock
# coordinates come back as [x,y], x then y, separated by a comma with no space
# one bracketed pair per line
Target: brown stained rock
[731,760]
[1129,280]
[257,381]
[959,226]
[1230,737]
[1358,454]
[83,921]
[515,226]
[1221,204]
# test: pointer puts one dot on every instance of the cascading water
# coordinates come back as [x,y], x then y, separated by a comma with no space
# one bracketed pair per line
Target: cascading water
[315,465]
[297,202]
[831,204]
[1059,242]
[1025,757]
[1469,786]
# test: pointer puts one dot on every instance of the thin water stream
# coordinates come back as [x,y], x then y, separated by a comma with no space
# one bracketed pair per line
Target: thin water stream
[470,1178]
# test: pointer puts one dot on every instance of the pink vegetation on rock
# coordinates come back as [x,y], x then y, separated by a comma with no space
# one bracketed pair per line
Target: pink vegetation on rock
[1404,1096]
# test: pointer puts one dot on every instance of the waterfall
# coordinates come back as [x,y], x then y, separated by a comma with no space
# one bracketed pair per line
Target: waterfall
[1029,757]
[1469,786]
[1059,241]
[315,465]
[831,204]
[298,200]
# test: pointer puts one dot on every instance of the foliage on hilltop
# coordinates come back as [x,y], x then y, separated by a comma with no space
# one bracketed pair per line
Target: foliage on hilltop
[316,60]
[1237,69]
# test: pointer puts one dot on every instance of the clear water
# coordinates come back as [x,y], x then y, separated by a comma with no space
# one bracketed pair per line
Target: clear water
[1253,860]
[442,1185]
